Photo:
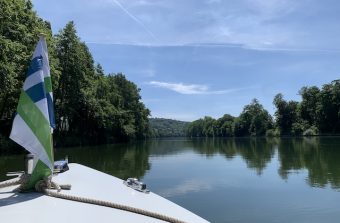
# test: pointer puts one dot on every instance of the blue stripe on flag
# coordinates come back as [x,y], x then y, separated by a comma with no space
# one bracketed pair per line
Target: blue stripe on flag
[36,92]
[36,64]
[50,110]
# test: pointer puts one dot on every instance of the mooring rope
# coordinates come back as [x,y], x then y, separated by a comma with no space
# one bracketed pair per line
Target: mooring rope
[11,182]
[45,186]
[21,180]
[110,205]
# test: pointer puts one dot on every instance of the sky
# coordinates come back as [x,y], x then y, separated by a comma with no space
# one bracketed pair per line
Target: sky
[196,58]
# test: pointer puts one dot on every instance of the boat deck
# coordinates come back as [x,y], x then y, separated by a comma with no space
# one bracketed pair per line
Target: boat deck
[89,183]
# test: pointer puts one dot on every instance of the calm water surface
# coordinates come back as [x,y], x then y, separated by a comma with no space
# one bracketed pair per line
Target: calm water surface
[227,180]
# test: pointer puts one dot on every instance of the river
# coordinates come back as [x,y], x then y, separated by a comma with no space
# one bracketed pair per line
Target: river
[227,180]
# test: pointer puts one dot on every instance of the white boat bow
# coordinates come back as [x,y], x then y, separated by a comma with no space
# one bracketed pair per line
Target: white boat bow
[88,183]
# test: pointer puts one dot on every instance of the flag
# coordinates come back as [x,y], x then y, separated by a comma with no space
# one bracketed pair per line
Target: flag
[34,121]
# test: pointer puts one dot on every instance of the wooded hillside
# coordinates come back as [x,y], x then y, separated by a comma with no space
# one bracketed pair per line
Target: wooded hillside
[161,127]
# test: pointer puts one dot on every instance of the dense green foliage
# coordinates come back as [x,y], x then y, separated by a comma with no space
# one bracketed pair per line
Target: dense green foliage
[19,29]
[161,127]
[287,118]
[317,113]
[253,121]
[91,107]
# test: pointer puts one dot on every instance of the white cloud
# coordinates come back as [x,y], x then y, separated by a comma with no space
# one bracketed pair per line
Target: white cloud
[256,23]
[253,24]
[192,89]
[181,88]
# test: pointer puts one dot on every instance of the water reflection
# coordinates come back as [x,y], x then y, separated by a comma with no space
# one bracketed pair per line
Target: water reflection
[319,156]
[257,153]
[123,160]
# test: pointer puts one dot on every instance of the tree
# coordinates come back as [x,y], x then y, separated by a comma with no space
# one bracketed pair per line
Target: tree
[209,127]
[90,107]
[19,31]
[329,114]
[195,129]
[253,121]
[134,116]
[74,92]
[286,114]
[310,105]
[225,126]
[161,127]
[94,107]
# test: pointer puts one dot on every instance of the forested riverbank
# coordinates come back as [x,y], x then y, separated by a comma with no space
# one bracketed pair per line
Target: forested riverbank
[91,107]
[318,113]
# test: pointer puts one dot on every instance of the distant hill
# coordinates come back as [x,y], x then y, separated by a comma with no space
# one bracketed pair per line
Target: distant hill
[161,127]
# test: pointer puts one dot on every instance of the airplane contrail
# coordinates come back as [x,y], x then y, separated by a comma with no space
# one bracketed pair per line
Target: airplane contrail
[139,22]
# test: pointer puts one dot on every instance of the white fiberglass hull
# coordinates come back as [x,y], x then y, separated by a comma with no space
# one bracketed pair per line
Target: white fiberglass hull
[89,183]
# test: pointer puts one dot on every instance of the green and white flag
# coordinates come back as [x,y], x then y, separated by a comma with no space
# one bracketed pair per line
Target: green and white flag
[34,122]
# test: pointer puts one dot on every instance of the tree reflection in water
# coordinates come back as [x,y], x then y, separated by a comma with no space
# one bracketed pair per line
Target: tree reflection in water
[319,156]
[121,160]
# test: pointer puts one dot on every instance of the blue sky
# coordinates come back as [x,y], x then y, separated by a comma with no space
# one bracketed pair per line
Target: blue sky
[195,58]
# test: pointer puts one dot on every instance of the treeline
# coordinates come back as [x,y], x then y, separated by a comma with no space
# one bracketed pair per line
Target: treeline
[161,127]
[317,113]
[90,106]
